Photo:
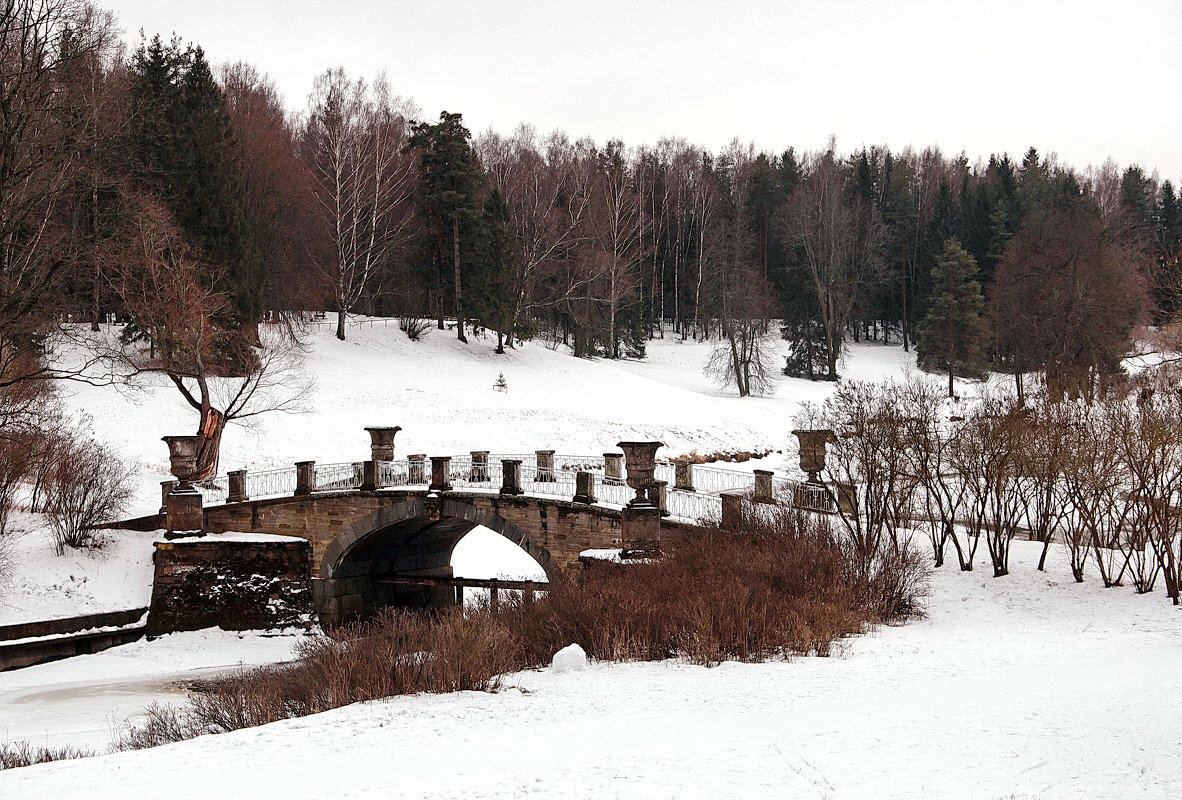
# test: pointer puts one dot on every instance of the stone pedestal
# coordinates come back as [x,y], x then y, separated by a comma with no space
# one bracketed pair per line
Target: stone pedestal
[417,469]
[847,498]
[545,462]
[478,472]
[763,486]
[381,442]
[371,475]
[511,476]
[166,488]
[732,509]
[584,487]
[683,475]
[613,468]
[640,527]
[183,511]
[305,477]
[658,495]
[440,474]
[237,492]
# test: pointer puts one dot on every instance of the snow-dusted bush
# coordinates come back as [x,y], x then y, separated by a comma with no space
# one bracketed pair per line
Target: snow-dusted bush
[90,483]
[24,754]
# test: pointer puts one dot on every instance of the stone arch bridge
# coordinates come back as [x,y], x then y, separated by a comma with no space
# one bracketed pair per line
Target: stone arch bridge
[359,524]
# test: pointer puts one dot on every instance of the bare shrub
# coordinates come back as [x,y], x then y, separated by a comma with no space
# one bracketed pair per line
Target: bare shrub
[866,465]
[24,754]
[415,328]
[89,484]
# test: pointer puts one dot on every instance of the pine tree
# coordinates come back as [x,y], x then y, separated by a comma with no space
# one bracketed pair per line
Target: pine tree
[952,335]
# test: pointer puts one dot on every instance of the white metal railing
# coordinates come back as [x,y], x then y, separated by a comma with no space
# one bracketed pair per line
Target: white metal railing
[703,502]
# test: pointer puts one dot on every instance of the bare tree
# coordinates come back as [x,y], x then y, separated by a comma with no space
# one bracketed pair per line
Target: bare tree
[175,334]
[841,243]
[354,140]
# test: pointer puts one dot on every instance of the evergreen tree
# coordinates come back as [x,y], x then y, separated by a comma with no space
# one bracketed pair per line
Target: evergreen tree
[952,334]
[450,177]
[490,284]
[185,152]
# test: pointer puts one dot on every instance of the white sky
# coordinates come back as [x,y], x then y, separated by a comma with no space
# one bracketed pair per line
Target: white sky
[1081,78]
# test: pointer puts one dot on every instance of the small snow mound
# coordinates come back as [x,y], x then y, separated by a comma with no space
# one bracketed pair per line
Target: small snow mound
[571,658]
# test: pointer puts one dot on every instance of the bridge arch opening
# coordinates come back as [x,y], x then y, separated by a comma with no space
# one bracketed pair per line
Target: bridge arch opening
[358,569]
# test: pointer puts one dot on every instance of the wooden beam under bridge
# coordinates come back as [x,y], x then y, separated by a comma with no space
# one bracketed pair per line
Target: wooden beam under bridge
[492,584]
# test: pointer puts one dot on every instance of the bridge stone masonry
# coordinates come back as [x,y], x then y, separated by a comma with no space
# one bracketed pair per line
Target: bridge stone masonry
[366,528]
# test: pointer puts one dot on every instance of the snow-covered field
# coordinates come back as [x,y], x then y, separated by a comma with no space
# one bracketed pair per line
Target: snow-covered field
[1028,686]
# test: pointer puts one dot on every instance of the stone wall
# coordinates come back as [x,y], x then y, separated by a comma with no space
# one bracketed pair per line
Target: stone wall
[235,584]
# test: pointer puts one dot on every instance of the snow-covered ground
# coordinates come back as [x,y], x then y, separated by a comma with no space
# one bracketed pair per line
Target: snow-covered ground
[83,701]
[43,585]
[1029,686]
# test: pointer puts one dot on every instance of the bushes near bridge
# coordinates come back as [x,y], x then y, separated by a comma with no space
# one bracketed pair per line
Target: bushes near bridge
[779,586]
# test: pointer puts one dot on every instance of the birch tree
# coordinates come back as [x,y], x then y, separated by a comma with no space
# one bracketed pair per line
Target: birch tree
[355,139]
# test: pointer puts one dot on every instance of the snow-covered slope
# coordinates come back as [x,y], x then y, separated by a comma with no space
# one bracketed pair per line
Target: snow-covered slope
[1028,686]
[440,391]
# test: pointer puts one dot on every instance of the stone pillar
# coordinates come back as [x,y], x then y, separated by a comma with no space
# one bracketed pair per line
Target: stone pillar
[658,495]
[683,476]
[584,487]
[417,469]
[381,442]
[847,498]
[641,465]
[305,477]
[166,487]
[183,509]
[545,462]
[763,486]
[640,526]
[237,492]
[732,509]
[613,468]
[511,476]
[440,474]
[371,475]
[478,473]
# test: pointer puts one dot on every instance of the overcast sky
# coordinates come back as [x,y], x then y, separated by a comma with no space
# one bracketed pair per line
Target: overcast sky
[1084,79]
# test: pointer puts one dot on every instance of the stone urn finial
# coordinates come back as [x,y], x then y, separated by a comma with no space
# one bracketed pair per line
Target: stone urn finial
[182,457]
[812,450]
[640,465]
[381,442]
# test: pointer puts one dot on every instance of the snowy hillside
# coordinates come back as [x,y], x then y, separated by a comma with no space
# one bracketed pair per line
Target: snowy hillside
[440,391]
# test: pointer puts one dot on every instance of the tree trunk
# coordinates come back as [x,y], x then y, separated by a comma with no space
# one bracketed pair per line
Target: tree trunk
[340,323]
[459,292]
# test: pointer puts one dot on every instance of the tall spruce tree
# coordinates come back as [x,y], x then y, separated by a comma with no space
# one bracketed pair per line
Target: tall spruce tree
[450,176]
[185,153]
[490,284]
[952,334]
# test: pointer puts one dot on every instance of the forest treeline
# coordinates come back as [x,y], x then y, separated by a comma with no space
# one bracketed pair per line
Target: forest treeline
[189,202]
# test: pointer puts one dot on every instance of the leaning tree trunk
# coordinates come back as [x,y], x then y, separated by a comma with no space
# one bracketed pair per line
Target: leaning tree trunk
[213,422]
